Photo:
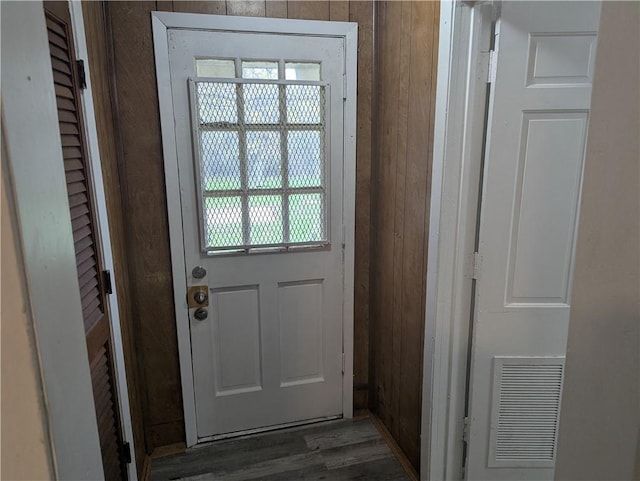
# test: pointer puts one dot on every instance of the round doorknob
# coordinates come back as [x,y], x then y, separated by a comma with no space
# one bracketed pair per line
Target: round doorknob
[200,314]
[198,272]
[200,297]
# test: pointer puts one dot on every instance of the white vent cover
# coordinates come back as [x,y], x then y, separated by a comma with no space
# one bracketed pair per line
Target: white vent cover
[525,409]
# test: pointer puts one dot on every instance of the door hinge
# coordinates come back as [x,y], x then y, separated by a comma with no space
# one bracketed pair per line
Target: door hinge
[492,66]
[465,430]
[344,86]
[106,282]
[343,362]
[477,266]
[82,75]
[125,453]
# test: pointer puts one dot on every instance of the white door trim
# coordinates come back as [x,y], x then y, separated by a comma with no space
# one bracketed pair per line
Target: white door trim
[162,21]
[465,30]
[91,134]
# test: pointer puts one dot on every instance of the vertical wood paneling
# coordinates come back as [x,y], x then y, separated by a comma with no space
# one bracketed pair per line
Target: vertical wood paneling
[214,7]
[388,70]
[308,10]
[398,287]
[407,45]
[276,8]
[99,51]
[338,10]
[141,165]
[164,5]
[362,12]
[247,8]
[418,179]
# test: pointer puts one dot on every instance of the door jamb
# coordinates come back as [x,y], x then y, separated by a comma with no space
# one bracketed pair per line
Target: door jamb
[465,30]
[91,134]
[348,31]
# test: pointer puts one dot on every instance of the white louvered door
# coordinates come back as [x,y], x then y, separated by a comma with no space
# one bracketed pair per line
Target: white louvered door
[537,127]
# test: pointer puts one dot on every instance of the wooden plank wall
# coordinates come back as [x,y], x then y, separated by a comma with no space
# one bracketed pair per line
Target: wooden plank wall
[143,193]
[406,50]
[99,51]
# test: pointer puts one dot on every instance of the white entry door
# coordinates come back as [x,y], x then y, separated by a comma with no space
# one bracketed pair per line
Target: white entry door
[259,137]
[537,127]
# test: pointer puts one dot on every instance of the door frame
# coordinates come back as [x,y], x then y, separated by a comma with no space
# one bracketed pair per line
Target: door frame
[348,31]
[461,95]
[102,218]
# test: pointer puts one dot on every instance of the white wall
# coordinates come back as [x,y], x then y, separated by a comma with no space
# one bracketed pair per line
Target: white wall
[26,452]
[600,413]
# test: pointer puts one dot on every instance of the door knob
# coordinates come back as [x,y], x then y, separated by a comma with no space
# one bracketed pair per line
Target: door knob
[200,314]
[200,297]
[198,272]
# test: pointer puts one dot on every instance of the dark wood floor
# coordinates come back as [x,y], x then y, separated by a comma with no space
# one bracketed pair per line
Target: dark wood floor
[332,451]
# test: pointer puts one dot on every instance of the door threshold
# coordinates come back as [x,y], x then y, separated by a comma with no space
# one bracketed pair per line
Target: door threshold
[249,432]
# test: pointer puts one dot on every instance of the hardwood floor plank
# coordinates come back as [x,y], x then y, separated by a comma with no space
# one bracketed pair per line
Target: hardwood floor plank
[338,450]
[229,455]
[357,433]
[352,454]
[272,466]
[380,470]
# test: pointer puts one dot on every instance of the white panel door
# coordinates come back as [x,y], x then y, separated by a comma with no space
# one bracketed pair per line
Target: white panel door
[537,126]
[259,136]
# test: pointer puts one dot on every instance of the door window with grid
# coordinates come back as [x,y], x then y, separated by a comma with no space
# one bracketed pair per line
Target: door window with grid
[260,139]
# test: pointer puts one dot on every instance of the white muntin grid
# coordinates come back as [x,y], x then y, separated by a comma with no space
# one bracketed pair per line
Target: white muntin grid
[238,131]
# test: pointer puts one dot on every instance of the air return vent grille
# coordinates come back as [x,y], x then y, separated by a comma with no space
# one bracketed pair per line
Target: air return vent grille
[526,405]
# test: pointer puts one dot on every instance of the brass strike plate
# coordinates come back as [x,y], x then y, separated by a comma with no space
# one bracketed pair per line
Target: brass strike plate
[194,293]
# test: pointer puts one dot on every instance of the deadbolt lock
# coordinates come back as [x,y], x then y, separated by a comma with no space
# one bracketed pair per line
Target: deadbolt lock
[200,313]
[198,296]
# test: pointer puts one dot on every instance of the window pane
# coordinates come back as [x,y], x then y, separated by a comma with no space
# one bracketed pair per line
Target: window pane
[217,102]
[304,104]
[263,159]
[260,70]
[302,71]
[265,218]
[305,158]
[213,67]
[306,217]
[261,104]
[246,143]
[223,221]
[220,161]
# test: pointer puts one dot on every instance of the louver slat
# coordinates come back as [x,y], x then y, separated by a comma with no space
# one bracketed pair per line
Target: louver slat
[83,231]
[104,395]
[527,394]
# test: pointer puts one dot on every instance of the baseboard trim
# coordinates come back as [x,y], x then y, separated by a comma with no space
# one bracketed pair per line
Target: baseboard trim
[162,451]
[146,468]
[395,448]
